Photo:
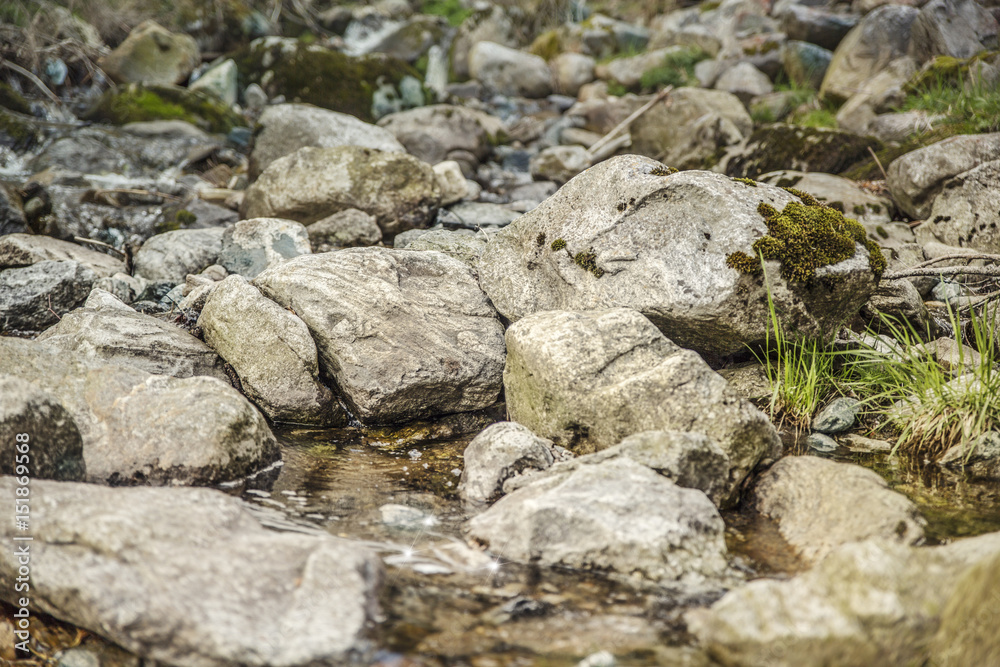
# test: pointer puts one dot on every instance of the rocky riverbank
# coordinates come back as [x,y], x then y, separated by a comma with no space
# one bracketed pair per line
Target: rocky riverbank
[444,333]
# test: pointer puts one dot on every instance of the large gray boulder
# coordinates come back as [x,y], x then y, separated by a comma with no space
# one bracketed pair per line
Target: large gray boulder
[284,128]
[35,424]
[499,453]
[34,297]
[171,256]
[17,250]
[627,233]
[965,213]
[879,38]
[191,577]
[404,334]
[250,246]
[509,71]
[588,379]
[445,132]
[956,28]
[867,603]
[819,504]
[142,428]
[916,178]
[280,370]
[123,336]
[668,131]
[313,183]
[617,516]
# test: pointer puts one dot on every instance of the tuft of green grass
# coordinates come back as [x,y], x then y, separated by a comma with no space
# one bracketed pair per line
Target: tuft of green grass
[969,107]
[677,69]
[453,10]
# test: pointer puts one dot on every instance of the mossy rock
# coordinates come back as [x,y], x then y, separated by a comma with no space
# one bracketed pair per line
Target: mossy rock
[17,134]
[781,146]
[548,45]
[804,237]
[319,76]
[140,102]
[13,100]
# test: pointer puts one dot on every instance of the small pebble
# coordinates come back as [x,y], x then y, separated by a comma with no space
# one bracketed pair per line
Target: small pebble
[821,443]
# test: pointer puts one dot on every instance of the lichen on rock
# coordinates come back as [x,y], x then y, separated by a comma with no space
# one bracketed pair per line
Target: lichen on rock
[805,236]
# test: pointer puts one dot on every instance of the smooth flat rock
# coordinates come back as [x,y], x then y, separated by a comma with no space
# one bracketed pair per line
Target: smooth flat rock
[17,250]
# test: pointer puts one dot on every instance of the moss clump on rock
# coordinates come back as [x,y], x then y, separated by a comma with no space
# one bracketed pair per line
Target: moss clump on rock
[558,244]
[548,45]
[140,102]
[805,237]
[746,181]
[663,171]
[780,146]
[587,260]
[319,76]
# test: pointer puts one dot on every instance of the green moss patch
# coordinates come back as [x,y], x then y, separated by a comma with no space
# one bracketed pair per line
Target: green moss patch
[780,146]
[139,102]
[587,260]
[677,69]
[803,237]
[319,76]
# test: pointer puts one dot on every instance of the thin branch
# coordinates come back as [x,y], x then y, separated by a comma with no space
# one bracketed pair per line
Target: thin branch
[993,271]
[80,239]
[969,257]
[879,163]
[31,77]
[593,150]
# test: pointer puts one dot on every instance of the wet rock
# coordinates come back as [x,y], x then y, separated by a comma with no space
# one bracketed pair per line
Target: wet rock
[819,442]
[250,246]
[446,132]
[559,163]
[588,379]
[981,457]
[689,459]
[805,63]
[142,428]
[33,298]
[618,516]
[406,517]
[872,602]
[508,71]
[571,71]
[965,213]
[461,244]
[956,28]
[314,74]
[667,130]
[220,81]
[500,453]
[314,183]
[781,146]
[152,54]
[858,443]
[18,250]
[12,220]
[404,334]
[171,256]
[820,504]
[345,229]
[916,178]
[879,38]
[816,25]
[836,417]
[301,599]
[634,236]
[53,445]
[285,128]
[280,371]
[744,81]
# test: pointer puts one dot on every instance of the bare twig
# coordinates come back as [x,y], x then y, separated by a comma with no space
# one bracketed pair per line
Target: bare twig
[879,163]
[993,271]
[80,239]
[52,311]
[943,258]
[31,77]
[596,147]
